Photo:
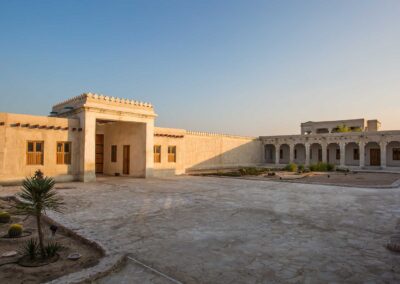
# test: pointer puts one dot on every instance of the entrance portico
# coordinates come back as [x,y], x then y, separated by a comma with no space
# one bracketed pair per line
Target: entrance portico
[129,121]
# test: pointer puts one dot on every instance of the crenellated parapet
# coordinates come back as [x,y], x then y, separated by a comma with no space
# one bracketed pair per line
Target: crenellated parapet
[101,102]
[213,134]
[102,98]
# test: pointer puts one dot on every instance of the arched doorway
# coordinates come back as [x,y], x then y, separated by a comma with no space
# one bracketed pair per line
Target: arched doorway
[372,154]
[269,153]
[284,154]
[393,154]
[333,153]
[315,153]
[352,154]
[300,154]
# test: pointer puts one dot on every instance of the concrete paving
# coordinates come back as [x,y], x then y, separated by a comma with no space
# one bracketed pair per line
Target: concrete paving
[221,230]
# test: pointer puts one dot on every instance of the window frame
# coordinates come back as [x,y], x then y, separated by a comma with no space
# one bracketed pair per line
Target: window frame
[157,155]
[172,155]
[114,153]
[62,157]
[34,158]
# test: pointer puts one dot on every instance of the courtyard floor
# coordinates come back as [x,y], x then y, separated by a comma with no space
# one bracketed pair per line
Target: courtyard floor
[222,230]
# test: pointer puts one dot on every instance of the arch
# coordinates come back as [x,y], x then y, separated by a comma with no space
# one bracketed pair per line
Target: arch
[315,153]
[284,154]
[269,153]
[393,154]
[333,153]
[300,154]
[372,154]
[352,154]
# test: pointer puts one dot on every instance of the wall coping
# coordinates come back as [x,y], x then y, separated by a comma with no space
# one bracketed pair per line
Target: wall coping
[99,97]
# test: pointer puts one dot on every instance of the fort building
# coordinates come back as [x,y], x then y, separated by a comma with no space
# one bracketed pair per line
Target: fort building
[92,135]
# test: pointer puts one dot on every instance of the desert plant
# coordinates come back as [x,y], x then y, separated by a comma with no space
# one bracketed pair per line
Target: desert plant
[321,167]
[291,167]
[38,174]
[37,196]
[52,248]
[30,248]
[15,230]
[5,217]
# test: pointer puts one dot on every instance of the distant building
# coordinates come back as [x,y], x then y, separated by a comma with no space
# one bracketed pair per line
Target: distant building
[92,135]
[361,146]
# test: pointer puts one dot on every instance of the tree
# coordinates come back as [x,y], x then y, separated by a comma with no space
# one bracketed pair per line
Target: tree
[37,196]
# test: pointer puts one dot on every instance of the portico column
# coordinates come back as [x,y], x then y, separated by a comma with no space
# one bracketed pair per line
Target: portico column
[361,147]
[88,150]
[383,154]
[149,149]
[307,146]
[342,146]
[291,153]
[277,151]
[324,152]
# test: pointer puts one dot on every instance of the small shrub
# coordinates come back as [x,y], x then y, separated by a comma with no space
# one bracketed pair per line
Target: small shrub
[15,230]
[5,217]
[321,167]
[291,167]
[38,175]
[301,168]
[52,248]
[252,171]
[30,248]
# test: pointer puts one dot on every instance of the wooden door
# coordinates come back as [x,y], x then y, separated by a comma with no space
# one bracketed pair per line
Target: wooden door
[375,157]
[126,159]
[99,153]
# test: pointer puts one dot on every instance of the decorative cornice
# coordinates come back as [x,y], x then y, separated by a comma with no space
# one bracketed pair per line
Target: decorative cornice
[99,97]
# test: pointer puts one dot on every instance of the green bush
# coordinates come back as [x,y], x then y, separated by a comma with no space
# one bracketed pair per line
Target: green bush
[291,167]
[252,171]
[321,167]
[15,230]
[5,217]
[30,248]
[52,248]
[301,168]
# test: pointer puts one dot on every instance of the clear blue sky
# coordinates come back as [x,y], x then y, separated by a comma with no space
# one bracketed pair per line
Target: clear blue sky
[240,67]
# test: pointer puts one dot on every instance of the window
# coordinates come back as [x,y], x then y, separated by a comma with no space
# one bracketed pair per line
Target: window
[295,154]
[34,153]
[157,154]
[337,154]
[280,154]
[63,153]
[172,154]
[396,154]
[113,153]
[356,154]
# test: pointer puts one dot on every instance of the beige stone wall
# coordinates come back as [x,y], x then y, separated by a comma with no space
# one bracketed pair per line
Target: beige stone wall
[120,134]
[166,168]
[208,151]
[198,150]
[13,146]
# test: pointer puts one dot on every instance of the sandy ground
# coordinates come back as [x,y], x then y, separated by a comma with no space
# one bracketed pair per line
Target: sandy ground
[13,273]
[352,179]
[223,230]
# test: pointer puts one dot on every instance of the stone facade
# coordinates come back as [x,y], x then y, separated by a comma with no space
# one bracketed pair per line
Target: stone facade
[365,147]
[93,134]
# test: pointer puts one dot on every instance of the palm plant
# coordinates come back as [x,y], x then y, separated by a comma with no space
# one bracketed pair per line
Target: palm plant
[37,196]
